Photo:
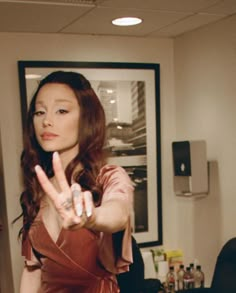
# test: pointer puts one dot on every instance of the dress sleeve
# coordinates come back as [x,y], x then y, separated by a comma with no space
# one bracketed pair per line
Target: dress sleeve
[115,250]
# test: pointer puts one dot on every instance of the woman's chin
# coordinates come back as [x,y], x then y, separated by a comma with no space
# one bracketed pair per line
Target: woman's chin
[49,149]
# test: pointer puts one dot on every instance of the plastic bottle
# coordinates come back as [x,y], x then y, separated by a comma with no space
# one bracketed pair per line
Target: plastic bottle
[188,279]
[180,277]
[192,269]
[199,278]
[170,280]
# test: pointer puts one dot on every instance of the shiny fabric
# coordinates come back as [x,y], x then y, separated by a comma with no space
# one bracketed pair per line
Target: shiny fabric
[83,261]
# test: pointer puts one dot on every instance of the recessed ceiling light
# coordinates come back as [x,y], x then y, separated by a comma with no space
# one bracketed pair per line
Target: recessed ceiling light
[126,21]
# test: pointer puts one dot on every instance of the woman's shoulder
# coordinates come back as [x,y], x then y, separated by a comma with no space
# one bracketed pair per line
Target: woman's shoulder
[112,172]
[115,183]
[111,167]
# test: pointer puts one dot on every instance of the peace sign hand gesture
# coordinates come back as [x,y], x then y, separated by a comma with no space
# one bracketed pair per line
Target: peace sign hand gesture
[75,207]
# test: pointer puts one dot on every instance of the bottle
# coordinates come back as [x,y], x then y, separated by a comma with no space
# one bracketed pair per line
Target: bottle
[170,280]
[180,277]
[188,279]
[199,278]
[192,269]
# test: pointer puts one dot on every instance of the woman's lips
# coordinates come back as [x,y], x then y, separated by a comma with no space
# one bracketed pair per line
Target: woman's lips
[48,135]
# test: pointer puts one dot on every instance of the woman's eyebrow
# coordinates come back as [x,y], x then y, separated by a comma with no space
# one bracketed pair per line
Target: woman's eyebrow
[56,100]
[63,100]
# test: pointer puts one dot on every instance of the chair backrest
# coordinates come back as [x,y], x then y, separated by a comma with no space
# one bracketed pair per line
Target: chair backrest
[224,277]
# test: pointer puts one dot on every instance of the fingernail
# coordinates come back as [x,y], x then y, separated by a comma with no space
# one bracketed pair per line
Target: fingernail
[76,187]
[55,155]
[76,193]
[37,168]
[79,210]
[89,204]
[89,212]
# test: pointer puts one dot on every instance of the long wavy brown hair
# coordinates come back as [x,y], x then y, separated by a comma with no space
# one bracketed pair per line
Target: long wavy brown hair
[91,156]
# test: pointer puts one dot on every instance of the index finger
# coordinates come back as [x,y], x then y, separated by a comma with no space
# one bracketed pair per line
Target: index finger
[59,173]
[45,183]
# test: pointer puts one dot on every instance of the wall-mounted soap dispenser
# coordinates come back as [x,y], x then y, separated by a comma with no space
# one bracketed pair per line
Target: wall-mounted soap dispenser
[190,168]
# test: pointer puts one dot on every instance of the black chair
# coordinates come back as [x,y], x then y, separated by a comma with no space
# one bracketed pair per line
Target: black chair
[224,277]
[134,281]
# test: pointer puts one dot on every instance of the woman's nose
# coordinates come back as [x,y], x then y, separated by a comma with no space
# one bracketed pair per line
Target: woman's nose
[47,121]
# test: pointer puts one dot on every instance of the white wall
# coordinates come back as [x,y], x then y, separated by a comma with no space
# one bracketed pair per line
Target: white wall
[16,47]
[205,70]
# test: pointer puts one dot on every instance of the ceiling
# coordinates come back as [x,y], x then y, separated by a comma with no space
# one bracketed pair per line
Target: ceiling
[161,18]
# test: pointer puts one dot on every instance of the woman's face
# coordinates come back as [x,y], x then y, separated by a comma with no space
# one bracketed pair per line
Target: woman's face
[56,119]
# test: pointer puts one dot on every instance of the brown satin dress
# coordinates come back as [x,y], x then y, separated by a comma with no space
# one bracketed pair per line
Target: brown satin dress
[82,261]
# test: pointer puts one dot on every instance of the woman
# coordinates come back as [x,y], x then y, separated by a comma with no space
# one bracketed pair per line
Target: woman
[75,207]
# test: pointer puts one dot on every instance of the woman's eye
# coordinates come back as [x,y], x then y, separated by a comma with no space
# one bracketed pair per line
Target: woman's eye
[38,113]
[62,111]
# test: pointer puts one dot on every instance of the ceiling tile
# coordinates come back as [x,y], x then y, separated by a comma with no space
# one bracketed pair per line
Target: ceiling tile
[187,24]
[37,17]
[171,5]
[226,7]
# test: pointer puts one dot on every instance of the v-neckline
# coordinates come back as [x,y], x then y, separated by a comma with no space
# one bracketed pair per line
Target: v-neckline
[61,230]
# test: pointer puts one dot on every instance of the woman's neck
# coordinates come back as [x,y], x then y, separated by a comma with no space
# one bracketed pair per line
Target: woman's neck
[66,157]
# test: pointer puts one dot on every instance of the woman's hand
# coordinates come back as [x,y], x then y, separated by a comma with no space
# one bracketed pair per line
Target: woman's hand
[75,207]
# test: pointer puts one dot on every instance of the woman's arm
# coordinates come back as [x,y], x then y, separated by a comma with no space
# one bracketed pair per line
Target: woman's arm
[115,211]
[30,280]
[112,216]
